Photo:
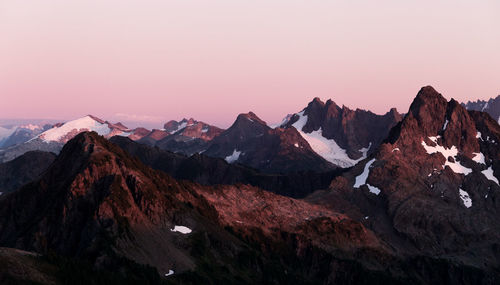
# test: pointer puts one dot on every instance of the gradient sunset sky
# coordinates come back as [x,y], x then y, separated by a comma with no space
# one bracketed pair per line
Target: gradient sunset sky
[152,61]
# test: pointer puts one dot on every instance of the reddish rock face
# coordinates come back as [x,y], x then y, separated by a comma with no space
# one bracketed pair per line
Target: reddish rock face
[139,133]
[246,208]
[434,198]
[186,136]
[192,128]
[157,134]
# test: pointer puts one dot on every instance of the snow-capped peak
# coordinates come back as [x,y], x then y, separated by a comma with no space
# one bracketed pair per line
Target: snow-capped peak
[70,129]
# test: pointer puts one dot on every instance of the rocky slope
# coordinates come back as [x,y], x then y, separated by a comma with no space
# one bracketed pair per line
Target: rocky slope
[22,267]
[340,135]
[431,188]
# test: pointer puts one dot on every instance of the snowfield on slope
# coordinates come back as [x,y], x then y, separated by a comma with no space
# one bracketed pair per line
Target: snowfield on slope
[479,157]
[326,148]
[181,229]
[361,179]
[233,157]
[180,127]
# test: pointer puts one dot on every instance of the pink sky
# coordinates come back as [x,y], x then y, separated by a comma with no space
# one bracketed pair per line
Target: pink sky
[161,60]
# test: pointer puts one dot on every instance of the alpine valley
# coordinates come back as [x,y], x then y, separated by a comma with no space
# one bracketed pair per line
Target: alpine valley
[330,195]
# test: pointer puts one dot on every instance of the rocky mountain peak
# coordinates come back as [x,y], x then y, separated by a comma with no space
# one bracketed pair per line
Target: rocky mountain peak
[428,108]
[314,107]
[432,116]
[249,117]
[316,101]
[190,121]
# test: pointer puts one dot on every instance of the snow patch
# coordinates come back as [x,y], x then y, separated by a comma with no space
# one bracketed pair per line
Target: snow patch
[488,173]
[296,144]
[181,229]
[233,157]
[361,179]
[396,149]
[373,189]
[326,148]
[478,157]
[170,272]
[445,124]
[447,153]
[484,107]
[204,130]
[478,135]
[465,198]
[179,127]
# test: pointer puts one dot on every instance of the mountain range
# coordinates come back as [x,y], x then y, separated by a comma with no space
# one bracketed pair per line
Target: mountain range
[329,196]
[492,107]
[326,137]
